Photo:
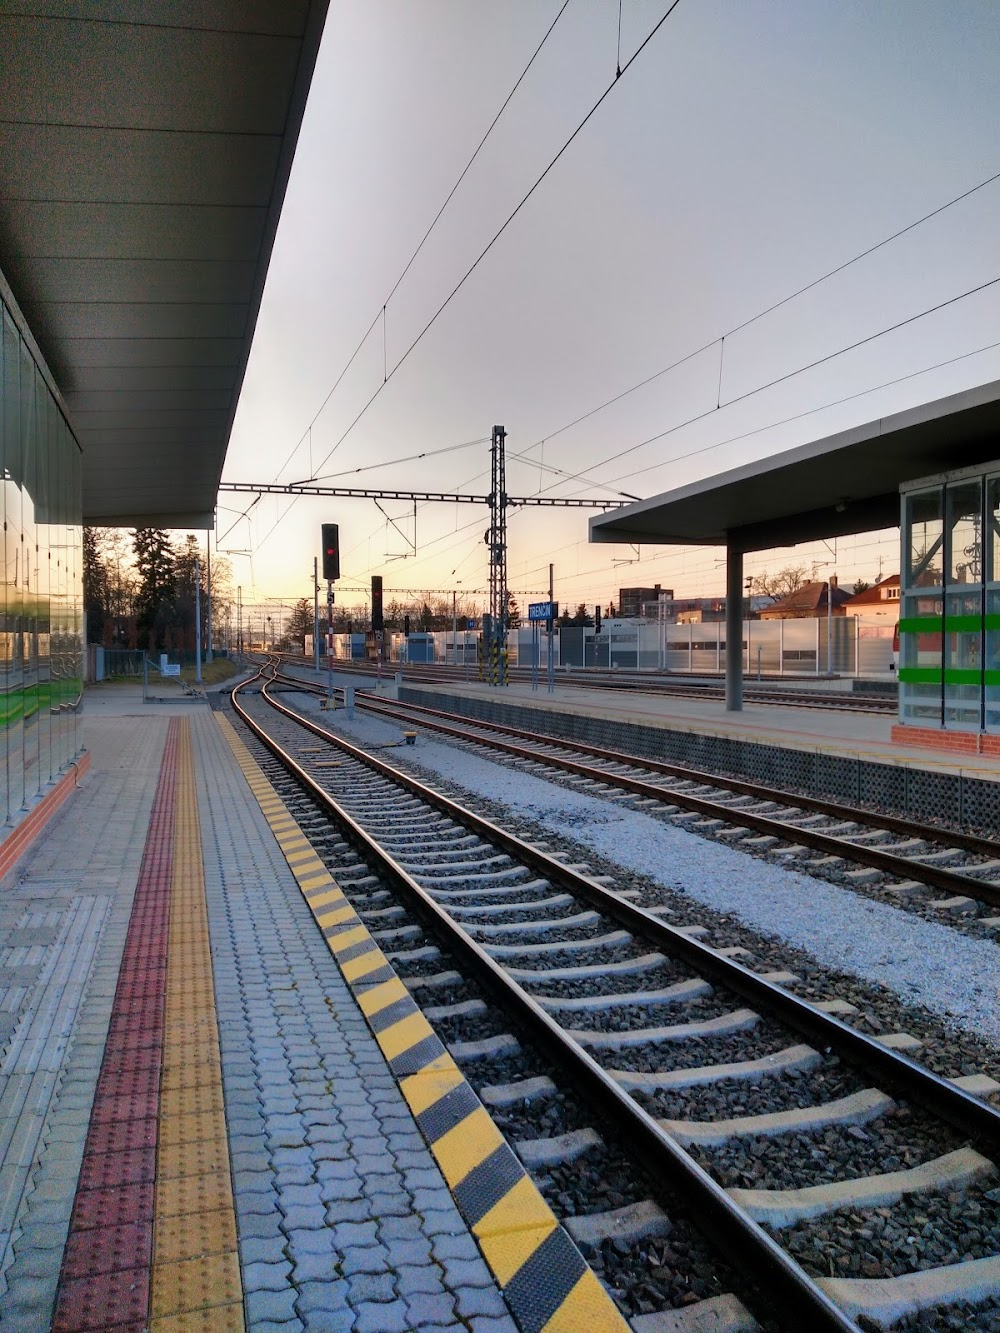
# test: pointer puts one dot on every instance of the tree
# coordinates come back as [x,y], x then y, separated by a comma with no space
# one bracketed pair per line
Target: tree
[513,612]
[581,616]
[777,586]
[861,585]
[187,559]
[156,595]
[300,623]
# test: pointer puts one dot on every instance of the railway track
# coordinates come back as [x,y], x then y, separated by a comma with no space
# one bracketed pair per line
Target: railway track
[909,858]
[672,1044]
[584,678]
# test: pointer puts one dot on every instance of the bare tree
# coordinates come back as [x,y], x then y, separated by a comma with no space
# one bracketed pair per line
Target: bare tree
[778,585]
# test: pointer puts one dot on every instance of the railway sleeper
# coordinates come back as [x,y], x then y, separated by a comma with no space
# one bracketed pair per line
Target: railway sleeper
[588,971]
[792,1059]
[859,1108]
[783,1208]
[737,1020]
[559,1150]
[682,992]
[614,940]
[716,1314]
[588,918]
[885,1301]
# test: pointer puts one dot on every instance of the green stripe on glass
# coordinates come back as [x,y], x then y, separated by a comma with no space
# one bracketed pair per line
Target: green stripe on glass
[921,625]
[920,675]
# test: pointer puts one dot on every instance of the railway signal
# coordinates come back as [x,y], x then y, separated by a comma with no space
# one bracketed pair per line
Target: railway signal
[331,551]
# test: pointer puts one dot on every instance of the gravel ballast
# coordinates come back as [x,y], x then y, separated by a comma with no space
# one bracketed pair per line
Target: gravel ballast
[951,975]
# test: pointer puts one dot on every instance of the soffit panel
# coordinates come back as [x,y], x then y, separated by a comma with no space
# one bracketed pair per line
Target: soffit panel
[144,281]
[53,321]
[98,164]
[132,76]
[285,17]
[84,352]
[132,379]
[33,228]
[146,147]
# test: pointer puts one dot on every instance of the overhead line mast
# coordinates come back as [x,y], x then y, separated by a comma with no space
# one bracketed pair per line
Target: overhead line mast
[425,497]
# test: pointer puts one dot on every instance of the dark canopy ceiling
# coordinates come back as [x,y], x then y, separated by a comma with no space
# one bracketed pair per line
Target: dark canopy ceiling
[845,483]
[145,146]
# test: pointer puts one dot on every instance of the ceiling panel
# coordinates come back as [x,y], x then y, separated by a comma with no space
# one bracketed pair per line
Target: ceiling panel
[145,149]
[98,164]
[67,72]
[147,352]
[286,17]
[76,319]
[36,228]
[213,281]
[93,379]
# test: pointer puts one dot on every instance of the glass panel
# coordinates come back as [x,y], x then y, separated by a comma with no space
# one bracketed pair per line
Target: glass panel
[965,503]
[963,659]
[27,563]
[924,537]
[920,666]
[12,558]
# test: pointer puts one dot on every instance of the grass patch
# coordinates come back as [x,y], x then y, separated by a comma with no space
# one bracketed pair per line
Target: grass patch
[212,673]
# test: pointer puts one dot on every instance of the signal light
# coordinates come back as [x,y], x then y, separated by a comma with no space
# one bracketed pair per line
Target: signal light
[406,626]
[597,620]
[331,551]
[378,621]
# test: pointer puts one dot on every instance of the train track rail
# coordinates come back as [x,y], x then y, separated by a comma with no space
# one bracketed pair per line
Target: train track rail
[962,865]
[598,982]
[584,678]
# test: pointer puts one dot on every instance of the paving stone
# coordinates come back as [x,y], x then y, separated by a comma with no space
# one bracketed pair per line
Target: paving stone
[316,1299]
[365,1260]
[276,1306]
[365,1287]
[432,1309]
[472,1302]
[298,1218]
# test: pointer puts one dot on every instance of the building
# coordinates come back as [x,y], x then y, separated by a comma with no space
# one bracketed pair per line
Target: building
[145,153]
[807,602]
[878,605]
[630,600]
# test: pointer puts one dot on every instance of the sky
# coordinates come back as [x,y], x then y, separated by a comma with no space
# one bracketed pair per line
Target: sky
[750,147]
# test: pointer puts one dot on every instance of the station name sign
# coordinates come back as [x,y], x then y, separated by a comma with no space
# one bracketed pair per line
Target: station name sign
[543,610]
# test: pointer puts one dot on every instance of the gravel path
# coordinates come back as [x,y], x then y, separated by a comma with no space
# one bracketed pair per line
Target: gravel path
[953,976]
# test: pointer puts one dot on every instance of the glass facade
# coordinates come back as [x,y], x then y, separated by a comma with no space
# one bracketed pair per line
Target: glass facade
[41,603]
[949,628]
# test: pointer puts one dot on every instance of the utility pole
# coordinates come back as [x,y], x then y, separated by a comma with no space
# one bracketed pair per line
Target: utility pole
[209,656]
[316,615]
[551,661]
[454,627]
[197,621]
[329,643]
[829,627]
[239,622]
[496,540]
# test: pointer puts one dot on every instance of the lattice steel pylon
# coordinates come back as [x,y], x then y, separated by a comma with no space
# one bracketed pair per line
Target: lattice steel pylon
[496,540]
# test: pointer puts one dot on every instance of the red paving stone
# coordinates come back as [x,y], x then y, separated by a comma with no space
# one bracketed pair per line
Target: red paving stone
[106,1270]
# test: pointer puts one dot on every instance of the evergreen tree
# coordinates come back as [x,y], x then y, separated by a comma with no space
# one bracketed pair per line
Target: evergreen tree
[300,623]
[156,597]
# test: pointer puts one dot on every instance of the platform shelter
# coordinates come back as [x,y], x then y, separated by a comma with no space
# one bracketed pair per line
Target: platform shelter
[935,470]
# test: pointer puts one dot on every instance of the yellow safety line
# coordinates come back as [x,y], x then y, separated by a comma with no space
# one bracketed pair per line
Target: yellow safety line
[512,1233]
[196,1271]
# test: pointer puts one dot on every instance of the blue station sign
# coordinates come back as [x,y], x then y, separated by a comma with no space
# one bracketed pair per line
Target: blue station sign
[543,610]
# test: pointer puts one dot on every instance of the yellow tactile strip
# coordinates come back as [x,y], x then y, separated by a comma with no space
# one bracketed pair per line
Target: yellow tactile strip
[196,1272]
[547,1284]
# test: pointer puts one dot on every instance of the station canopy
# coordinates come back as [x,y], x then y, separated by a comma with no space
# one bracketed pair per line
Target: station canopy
[145,149]
[845,483]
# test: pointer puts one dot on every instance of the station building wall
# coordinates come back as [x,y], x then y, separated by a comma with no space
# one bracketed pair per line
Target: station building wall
[41,578]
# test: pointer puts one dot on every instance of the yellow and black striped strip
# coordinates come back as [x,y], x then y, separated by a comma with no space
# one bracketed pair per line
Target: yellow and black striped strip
[544,1278]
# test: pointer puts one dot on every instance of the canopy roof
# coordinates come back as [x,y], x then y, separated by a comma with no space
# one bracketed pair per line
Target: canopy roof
[146,147]
[845,483]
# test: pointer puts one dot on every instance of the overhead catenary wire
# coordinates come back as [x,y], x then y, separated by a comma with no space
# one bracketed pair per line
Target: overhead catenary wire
[501,229]
[768,310]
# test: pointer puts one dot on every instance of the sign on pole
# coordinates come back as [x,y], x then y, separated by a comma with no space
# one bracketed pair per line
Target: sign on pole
[543,610]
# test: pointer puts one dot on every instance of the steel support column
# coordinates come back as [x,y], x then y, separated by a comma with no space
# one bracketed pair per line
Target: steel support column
[734,629]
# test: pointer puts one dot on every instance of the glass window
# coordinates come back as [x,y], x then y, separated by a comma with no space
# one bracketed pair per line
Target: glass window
[965,523]
[923,539]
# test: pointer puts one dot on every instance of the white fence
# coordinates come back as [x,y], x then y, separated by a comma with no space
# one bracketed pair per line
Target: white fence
[774,647]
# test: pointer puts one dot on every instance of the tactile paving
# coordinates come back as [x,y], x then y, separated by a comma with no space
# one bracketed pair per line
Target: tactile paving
[184,1237]
[192,1284]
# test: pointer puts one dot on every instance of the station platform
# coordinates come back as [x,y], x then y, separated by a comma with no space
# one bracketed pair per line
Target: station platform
[835,752]
[208,1120]
[834,731]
